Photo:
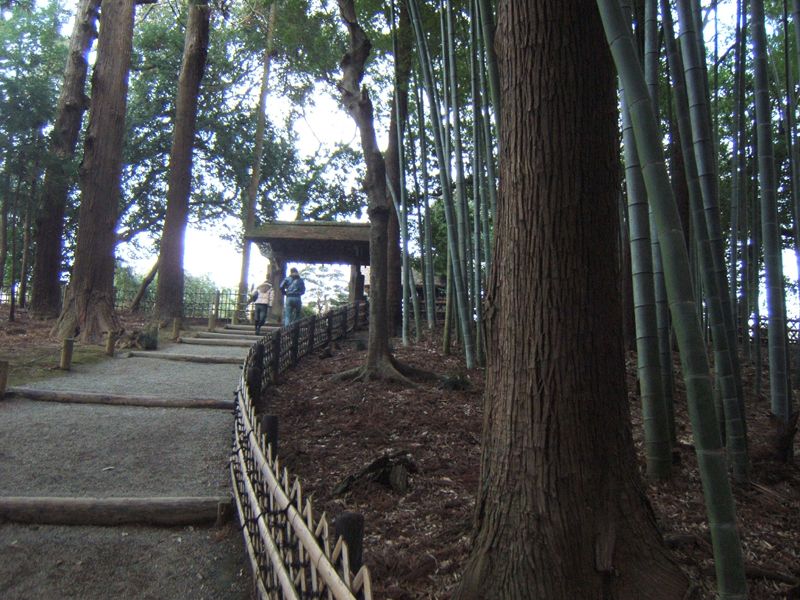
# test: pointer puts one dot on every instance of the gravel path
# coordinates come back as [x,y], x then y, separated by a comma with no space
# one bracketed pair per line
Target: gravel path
[52,449]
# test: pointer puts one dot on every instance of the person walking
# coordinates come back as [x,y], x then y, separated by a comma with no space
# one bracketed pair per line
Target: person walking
[262,300]
[293,288]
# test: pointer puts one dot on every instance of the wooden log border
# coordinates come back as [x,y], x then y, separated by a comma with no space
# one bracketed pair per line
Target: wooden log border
[166,511]
[115,399]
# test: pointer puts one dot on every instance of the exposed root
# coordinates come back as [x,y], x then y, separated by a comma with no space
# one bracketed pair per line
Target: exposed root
[409,371]
[385,370]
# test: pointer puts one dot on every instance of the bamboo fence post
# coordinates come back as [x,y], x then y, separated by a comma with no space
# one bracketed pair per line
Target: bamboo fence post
[66,354]
[276,356]
[329,327]
[269,426]
[235,312]
[3,377]
[295,342]
[312,326]
[213,314]
[350,527]
[176,328]
[111,341]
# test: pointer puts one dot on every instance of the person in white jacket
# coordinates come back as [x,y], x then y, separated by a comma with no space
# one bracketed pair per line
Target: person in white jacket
[262,300]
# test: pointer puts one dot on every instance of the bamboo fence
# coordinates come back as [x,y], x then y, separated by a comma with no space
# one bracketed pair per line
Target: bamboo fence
[289,551]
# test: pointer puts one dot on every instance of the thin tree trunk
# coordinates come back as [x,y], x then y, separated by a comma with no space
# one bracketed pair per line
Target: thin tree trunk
[458,282]
[780,398]
[148,279]
[89,302]
[4,224]
[397,123]
[693,55]
[249,211]
[25,255]
[487,36]
[733,408]
[736,164]
[658,450]
[72,103]
[169,290]
[12,287]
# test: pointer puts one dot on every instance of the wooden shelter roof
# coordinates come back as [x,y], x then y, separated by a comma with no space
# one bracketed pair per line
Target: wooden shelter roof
[313,241]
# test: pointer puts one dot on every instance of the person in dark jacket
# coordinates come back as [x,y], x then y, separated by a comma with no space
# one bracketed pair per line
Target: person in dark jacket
[293,288]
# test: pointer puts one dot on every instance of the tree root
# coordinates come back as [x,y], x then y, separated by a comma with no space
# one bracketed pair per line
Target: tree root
[409,371]
[387,369]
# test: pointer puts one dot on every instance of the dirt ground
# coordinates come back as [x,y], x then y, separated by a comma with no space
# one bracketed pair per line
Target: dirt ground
[416,542]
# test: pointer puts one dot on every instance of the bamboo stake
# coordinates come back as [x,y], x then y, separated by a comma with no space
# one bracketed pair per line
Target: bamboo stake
[111,341]
[66,354]
[176,328]
[3,377]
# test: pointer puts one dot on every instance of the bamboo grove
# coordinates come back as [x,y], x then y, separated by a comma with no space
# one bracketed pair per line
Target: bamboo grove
[709,202]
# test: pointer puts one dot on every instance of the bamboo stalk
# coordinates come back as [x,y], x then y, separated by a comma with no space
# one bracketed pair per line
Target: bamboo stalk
[720,505]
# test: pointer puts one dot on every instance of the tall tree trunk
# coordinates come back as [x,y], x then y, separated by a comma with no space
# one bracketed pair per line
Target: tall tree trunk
[249,212]
[89,302]
[72,103]
[169,290]
[379,363]
[560,510]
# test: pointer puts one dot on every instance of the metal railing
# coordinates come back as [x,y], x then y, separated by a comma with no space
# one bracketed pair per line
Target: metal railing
[289,550]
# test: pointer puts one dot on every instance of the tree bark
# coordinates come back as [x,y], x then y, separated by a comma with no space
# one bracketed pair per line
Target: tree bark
[72,103]
[89,302]
[560,510]
[169,291]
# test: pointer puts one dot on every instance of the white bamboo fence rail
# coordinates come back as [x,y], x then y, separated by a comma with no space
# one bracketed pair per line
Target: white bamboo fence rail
[289,551]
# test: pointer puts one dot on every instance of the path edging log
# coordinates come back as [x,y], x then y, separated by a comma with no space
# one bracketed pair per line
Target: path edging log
[195,358]
[237,335]
[115,399]
[169,511]
[208,342]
